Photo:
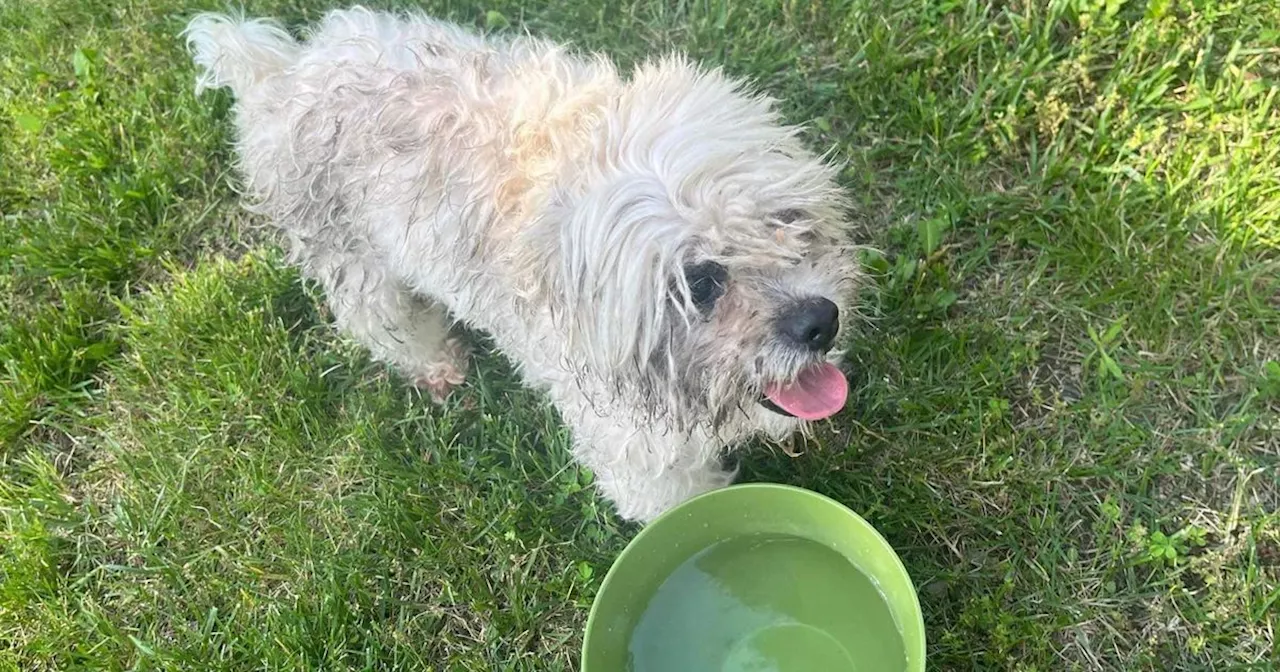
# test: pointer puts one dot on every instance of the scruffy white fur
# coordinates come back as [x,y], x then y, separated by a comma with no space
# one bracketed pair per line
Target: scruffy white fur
[423,174]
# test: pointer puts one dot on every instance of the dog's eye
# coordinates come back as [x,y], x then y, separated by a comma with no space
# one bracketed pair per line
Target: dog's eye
[706,283]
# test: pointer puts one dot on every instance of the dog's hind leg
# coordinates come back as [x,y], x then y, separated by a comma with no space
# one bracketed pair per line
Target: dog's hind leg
[410,332]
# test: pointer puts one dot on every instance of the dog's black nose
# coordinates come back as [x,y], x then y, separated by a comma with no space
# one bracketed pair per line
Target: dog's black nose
[811,324]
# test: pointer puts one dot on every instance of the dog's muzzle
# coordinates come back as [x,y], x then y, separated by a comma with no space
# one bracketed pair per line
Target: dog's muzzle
[819,390]
[810,324]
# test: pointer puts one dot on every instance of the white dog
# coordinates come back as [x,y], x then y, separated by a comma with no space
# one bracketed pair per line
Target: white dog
[658,252]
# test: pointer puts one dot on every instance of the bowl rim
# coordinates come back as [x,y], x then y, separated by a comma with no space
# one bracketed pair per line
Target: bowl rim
[636,541]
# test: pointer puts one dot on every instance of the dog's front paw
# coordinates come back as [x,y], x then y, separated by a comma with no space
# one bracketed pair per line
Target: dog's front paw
[439,379]
[438,385]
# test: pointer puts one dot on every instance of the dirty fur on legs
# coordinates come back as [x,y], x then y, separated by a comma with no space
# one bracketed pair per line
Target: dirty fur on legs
[656,250]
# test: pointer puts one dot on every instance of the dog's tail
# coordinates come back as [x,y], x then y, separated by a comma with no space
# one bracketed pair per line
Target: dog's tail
[237,52]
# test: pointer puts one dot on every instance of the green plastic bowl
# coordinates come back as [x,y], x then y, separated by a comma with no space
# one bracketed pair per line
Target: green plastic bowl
[756,577]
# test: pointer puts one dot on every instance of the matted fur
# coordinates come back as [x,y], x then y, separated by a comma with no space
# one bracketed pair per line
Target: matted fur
[423,173]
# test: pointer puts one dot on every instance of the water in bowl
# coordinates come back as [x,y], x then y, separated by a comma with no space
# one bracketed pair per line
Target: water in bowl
[767,604]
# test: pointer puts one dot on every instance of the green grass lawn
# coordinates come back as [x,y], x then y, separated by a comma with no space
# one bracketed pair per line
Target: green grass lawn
[1065,412]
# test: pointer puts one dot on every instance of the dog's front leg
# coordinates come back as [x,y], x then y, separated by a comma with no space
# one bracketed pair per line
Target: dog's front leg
[647,470]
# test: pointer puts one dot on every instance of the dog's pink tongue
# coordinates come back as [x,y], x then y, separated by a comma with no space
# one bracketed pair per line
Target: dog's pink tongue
[819,391]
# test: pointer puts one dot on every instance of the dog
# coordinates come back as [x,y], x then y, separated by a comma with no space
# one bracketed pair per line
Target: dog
[656,251]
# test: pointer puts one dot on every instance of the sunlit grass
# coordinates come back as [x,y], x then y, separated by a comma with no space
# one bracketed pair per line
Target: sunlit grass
[1066,409]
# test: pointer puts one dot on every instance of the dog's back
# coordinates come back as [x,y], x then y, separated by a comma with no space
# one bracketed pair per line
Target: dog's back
[381,133]
[241,53]
[324,125]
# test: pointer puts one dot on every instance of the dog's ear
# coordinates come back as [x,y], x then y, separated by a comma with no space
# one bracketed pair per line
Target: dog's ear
[619,242]
[674,90]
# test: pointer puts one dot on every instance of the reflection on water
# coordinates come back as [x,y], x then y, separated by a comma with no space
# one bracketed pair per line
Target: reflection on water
[766,604]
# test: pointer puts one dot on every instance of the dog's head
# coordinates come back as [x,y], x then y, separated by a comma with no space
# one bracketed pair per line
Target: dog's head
[703,267]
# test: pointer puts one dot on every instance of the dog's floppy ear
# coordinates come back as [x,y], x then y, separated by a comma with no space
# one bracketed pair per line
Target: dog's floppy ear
[674,90]
[619,243]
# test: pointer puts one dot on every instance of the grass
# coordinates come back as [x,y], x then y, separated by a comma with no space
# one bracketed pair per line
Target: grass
[1066,413]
